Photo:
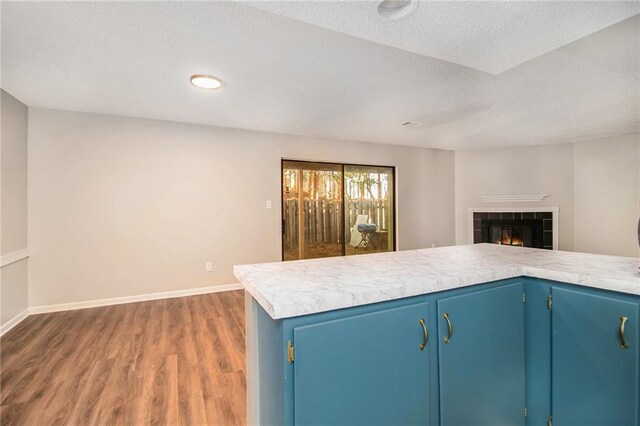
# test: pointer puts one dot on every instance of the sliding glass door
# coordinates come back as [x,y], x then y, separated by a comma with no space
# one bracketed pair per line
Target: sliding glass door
[311,210]
[369,205]
[331,209]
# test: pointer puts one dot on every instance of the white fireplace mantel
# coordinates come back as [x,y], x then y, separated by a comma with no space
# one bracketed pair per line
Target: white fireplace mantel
[553,210]
[518,198]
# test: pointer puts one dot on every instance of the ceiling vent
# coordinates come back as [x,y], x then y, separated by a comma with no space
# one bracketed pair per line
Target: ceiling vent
[412,124]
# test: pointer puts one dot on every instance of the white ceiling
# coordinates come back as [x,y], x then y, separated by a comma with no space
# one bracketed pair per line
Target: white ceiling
[285,75]
[490,36]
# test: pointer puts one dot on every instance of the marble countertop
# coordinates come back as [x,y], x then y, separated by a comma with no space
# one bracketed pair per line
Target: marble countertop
[295,288]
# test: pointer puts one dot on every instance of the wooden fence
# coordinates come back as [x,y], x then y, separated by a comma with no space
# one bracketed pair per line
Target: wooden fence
[323,219]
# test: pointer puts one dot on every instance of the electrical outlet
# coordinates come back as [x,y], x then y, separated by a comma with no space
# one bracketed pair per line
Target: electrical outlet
[268,204]
[208,266]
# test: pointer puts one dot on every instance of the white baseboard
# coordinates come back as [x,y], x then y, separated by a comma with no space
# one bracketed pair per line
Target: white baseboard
[130,299]
[115,301]
[13,322]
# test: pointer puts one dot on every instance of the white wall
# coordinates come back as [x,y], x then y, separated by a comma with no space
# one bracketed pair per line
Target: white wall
[595,184]
[507,171]
[607,182]
[13,152]
[123,206]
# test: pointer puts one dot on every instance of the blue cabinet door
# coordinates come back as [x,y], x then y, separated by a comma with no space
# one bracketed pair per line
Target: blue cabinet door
[482,368]
[594,379]
[367,369]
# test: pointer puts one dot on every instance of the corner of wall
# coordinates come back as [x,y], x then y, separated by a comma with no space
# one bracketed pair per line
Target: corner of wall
[13,210]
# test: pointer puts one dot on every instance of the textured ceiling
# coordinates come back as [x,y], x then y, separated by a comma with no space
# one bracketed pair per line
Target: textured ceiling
[490,36]
[284,75]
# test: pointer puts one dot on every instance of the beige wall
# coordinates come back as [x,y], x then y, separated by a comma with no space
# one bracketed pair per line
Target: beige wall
[595,184]
[123,206]
[607,181]
[13,277]
[507,171]
[444,183]
[14,290]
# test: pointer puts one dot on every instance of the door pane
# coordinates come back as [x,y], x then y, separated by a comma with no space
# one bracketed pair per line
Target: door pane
[482,376]
[363,370]
[369,205]
[594,379]
[312,210]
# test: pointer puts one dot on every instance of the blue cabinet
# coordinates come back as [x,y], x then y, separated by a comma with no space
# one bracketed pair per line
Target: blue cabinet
[368,369]
[537,323]
[367,365]
[595,372]
[481,357]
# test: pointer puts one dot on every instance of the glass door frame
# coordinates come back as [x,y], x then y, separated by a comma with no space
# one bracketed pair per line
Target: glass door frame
[343,204]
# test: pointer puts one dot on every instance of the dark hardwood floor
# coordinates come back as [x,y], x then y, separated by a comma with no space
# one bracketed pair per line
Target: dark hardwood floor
[170,362]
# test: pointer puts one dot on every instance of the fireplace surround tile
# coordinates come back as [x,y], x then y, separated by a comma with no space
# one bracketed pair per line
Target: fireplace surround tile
[531,229]
[548,239]
[543,215]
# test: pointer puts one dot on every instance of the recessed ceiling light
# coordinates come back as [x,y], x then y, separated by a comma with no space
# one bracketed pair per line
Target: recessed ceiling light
[394,10]
[205,81]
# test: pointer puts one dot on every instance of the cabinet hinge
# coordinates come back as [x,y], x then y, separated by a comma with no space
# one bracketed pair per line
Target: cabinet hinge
[524,297]
[550,302]
[549,421]
[526,412]
[291,352]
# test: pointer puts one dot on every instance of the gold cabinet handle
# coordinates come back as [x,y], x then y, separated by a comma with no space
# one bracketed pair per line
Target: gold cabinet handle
[449,328]
[425,334]
[623,343]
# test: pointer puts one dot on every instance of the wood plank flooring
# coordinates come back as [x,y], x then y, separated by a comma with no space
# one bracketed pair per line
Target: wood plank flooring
[169,362]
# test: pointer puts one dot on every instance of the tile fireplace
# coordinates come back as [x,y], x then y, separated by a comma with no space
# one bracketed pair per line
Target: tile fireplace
[515,227]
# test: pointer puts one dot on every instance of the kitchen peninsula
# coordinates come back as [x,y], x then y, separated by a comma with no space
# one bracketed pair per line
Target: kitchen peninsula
[481,334]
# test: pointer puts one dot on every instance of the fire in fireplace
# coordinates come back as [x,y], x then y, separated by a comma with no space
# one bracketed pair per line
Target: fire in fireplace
[525,229]
[511,235]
